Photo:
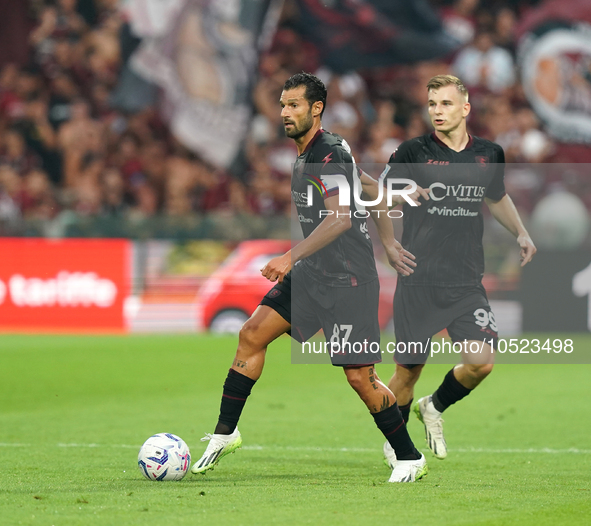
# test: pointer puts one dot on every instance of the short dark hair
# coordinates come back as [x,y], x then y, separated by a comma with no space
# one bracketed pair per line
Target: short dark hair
[315,88]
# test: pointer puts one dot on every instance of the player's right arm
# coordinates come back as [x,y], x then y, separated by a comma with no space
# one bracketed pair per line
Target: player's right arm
[336,222]
[504,212]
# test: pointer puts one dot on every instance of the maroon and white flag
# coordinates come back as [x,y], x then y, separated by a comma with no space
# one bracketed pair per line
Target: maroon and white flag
[204,56]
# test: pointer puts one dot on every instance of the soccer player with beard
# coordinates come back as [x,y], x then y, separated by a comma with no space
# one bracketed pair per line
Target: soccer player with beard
[327,281]
[455,173]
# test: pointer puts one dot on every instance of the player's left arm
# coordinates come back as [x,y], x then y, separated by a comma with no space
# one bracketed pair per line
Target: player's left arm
[336,222]
[504,212]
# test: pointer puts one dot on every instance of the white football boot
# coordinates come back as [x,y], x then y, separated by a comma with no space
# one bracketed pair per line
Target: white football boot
[389,455]
[431,418]
[219,446]
[408,470]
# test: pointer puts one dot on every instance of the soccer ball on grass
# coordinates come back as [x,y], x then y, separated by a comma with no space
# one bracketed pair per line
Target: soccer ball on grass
[164,457]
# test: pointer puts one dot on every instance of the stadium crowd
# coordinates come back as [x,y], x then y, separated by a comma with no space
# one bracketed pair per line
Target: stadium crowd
[65,146]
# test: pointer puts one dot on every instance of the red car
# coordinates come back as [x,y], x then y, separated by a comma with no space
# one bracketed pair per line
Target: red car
[231,294]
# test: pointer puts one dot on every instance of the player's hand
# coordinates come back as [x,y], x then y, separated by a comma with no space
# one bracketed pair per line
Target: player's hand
[277,268]
[401,259]
[528,249]
[419,192]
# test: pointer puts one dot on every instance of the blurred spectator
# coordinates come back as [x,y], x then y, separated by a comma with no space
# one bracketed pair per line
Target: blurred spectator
[10,213]
[146,203]
[492,115]
[40,137]
[459,19]
[63,91]
[343,113]
[11,185]
[483,65]
[81,142]
[127,158]
[60,20]
[10,103]
[37,198]
[15,153]
[269,190]
[113,190]
[88,195]
[505,22]
[525,142]
[381,144]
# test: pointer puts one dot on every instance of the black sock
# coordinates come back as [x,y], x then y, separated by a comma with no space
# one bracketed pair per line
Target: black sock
[390,422]
[449,392]
[237,387]
[405,410]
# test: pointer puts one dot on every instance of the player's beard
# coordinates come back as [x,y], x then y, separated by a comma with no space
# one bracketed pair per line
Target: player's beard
[299,131]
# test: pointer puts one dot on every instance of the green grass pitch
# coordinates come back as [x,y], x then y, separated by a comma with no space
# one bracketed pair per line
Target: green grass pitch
[75,410]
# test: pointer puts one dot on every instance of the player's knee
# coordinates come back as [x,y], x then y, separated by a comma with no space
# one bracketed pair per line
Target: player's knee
[480,371]
[249,337]
[486,369]
[357,378]
[408,376]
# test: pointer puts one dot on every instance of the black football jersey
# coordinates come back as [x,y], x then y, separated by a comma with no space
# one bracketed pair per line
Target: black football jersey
[348,261]
[445,232]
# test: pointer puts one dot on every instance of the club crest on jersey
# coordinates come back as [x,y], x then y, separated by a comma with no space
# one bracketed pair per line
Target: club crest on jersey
[481,161]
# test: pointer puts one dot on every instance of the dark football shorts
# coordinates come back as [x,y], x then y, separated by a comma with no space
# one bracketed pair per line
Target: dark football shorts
[421,311]
[347,315]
